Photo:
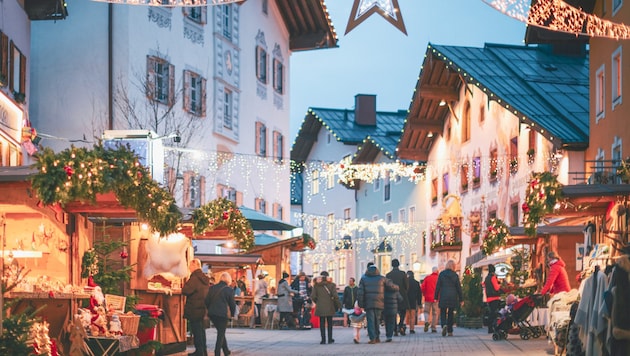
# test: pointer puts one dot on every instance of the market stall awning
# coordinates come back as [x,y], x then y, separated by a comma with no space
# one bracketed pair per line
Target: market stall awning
[499,257]
[260,221]
[229,260]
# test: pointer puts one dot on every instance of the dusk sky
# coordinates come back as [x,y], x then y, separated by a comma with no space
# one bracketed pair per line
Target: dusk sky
[376,58]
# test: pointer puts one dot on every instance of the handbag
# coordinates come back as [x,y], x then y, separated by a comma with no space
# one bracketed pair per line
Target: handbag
[334,298]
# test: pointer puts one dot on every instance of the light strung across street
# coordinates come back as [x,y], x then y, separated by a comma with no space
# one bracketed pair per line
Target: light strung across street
[171,3]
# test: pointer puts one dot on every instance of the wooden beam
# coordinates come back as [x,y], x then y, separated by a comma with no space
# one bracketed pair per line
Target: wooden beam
[413,154]
[438,93]
[435,127]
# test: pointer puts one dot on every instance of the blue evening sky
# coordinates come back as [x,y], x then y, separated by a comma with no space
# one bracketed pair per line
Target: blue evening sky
[376,58]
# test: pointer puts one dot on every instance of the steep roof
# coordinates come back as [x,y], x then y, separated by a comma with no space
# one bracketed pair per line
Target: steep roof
[308,23]
[546,91]
[342,125]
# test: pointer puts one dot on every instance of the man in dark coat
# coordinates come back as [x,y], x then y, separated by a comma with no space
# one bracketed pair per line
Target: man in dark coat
[400,279]
[448,291]
[221,306]
[371,297]
[195,290]
[414,295]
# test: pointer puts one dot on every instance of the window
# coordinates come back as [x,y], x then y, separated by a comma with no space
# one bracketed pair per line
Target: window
[196,13]
[261,205]
[513,164]
[482,113]
[434,191]
[600,84]
[532,142]
[514,214]
[342,270]
[277,211]
[331,269]
[4,59]
[616,77]
[466,123]
[330,180]
[377,184]
[194,94]
[388,217]
[402,215]
[229,193]
[616,6]
[492,214]
[476,172]
[330,226]
[315,182]
[265,7]
[616,157]
[17,70]
[226,20]
[464,177]
[278,147]
[261,64]
[387,187]
[412,214]
[346,214]
[193,187]
[278,76]
[160,80]
[261,139]
[315,230]
[228,106]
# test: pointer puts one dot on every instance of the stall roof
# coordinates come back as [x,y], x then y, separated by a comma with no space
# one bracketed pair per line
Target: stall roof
[228,260]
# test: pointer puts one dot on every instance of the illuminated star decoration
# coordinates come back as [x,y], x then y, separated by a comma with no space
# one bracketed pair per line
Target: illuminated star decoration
[389,9]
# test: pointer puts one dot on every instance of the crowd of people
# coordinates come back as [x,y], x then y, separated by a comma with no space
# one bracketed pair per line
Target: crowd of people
[391,300]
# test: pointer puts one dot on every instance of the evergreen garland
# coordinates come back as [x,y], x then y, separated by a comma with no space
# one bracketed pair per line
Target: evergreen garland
[541,196]
[473,294]
[222,213]
[79,174]
[496,236]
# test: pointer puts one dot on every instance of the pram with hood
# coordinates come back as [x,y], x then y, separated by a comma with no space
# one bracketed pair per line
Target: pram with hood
[516,317]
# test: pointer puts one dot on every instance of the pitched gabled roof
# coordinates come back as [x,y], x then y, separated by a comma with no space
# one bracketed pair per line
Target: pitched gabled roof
[308,23]
[342,125]
[546,91]
[375,144]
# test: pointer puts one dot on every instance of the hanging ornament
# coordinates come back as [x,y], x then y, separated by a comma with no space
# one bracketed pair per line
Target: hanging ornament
[69,171]
[388,9]
[124,254]
[225,215]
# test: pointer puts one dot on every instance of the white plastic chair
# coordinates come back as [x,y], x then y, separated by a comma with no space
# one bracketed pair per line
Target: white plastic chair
[270,310]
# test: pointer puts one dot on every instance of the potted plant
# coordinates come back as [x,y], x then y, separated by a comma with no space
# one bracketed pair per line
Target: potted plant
[513,165]
[465,186]
[476,181]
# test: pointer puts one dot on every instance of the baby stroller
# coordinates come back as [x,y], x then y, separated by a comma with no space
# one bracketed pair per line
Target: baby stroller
[302,309]
[516,317]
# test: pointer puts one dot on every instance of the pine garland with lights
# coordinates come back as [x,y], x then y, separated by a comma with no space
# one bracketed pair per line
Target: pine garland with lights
[220,213]
[541,196]
[473,294]
[309,241]
[79,174]
[496,236]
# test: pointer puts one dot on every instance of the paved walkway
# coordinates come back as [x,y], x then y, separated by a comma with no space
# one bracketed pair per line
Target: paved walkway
[472,342]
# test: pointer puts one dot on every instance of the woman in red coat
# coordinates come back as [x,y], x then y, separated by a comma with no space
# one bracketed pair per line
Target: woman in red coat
[557,279]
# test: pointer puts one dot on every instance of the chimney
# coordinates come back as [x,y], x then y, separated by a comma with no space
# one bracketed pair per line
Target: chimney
[365,109]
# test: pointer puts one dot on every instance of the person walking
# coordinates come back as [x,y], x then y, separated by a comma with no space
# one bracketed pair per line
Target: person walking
[400,279]
[430,304]
[195,290]
[493,297]
[448,292]
[371,298]
[285,302]
[260,291]
[350,296]
[392,299]
[414,295]
[557,279]
[220,301]
[326,305]
[357,321]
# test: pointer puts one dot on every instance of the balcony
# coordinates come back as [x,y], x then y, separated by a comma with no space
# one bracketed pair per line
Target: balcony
[46,9]
[602,172]
[442,246]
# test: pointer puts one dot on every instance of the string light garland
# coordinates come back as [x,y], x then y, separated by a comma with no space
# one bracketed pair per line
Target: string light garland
[223,213]
[541,196]
[80,174]
[171,3]
[556,15]
[496,237]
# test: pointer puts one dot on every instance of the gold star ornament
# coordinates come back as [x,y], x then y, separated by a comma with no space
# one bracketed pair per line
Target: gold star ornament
[389,9]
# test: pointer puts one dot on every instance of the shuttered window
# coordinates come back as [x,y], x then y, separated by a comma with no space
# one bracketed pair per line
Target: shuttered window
[160,80]
[194,93]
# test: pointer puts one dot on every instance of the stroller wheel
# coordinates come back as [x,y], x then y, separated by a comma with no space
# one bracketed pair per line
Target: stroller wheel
[536,333]
[496,337]
[525,335]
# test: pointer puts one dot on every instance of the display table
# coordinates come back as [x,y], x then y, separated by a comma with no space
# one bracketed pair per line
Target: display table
[58,308]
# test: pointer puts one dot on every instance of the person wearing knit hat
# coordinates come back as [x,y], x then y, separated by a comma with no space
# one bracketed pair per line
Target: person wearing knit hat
[327,303]
[557,277]
[285,303]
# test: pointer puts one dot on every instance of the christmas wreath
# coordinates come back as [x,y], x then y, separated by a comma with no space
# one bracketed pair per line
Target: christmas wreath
[223,213]
[542,194]
[79,174]
[496,236]
[308,241]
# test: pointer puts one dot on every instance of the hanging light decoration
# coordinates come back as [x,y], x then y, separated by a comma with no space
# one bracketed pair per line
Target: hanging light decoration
[171,3]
